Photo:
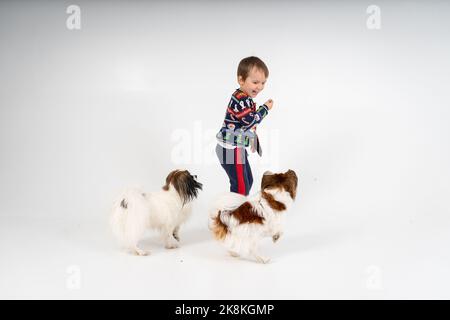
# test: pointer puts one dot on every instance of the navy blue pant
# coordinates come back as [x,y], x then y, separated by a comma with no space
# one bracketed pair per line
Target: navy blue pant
[237,167]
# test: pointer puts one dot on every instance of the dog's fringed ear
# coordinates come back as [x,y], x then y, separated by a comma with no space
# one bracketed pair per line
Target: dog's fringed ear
[292,187]
[169,179]
[267,179]
[292,173]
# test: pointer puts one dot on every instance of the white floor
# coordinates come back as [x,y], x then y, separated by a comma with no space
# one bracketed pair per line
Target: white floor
[319,257]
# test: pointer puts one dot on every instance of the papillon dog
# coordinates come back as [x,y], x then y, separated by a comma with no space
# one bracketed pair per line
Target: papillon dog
[240,222]
[166,210]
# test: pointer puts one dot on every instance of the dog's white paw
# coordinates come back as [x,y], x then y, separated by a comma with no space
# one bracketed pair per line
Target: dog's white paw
[140,252]
[261,259]
[172,245]
[233,254]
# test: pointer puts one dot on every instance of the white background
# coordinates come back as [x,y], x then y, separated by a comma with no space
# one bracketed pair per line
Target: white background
[361,115]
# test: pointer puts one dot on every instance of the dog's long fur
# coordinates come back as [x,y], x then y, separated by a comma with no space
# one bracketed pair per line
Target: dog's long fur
[240,222]
[166,210]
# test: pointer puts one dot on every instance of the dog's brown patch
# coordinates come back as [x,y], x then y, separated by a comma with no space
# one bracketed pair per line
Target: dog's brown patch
[246,214]
[219,228]
[287,181]
[274,204]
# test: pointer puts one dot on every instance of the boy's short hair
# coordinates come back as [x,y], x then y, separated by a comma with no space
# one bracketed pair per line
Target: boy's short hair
[248,64]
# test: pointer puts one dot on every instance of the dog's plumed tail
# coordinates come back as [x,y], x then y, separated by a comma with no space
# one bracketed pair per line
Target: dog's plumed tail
[219,213]
[128,220]
[218,227]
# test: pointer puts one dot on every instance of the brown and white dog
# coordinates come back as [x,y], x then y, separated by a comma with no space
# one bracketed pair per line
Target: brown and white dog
[240,222]
[136,211]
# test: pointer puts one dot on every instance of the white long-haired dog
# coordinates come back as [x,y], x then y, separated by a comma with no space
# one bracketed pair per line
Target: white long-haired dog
[166,210]
[240,222]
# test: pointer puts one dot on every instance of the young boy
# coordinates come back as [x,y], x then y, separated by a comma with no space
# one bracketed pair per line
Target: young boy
[239,128]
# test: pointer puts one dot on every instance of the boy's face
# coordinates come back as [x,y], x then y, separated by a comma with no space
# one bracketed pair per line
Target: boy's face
[254,83]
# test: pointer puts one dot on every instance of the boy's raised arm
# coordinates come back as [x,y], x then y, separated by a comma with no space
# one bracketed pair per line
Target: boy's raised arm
[240,109]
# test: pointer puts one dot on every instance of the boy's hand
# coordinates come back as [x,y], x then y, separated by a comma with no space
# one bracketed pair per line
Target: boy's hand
[269,103]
